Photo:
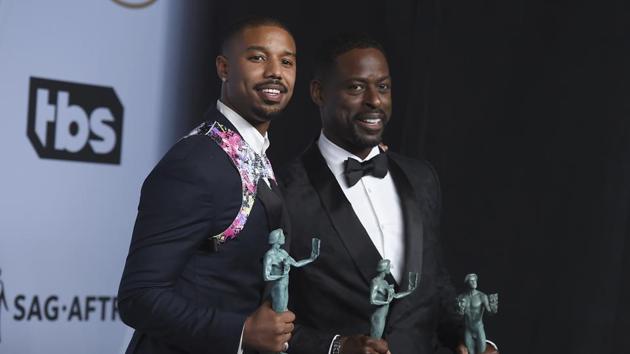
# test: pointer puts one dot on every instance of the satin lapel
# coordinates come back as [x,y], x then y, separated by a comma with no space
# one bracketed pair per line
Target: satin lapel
[414,235]
[271,202]
[341,214]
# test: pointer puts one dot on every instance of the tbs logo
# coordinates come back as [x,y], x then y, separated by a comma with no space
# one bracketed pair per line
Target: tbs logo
[71,121]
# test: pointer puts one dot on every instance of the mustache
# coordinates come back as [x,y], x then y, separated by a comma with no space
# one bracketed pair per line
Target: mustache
[273,83]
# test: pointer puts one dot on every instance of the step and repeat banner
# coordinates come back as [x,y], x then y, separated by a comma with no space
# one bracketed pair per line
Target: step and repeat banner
[83,107]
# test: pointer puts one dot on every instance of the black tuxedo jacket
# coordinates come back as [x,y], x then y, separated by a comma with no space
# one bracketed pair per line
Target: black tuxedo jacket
[180,293]
[331,295]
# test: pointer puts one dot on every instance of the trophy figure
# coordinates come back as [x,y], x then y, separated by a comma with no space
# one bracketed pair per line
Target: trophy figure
[276,266]
[382,293]
[471,304]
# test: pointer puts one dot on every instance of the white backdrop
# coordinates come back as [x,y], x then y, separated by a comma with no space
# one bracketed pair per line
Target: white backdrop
[65,225]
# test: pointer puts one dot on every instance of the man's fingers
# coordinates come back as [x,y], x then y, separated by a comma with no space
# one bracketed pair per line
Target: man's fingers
[288,328]
[287,316]
[283,328]
[379,345]
[281,340]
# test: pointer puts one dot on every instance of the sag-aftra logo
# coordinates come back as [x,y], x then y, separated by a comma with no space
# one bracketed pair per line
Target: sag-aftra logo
[26,306]
[72,121]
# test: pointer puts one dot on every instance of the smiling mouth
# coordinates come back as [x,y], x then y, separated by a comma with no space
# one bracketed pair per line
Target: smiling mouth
[270,93]
[371,121]
[370,125]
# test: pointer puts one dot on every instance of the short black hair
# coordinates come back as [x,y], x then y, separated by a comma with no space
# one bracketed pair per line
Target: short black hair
[248,21]
[335,46]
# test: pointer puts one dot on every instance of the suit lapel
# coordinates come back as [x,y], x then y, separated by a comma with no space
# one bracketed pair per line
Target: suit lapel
[344,220]
[414,235]
[271,202]
[412,215]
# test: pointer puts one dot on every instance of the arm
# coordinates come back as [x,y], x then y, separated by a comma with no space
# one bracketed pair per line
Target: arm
[493,306]
[174,216]
[486,305]
[461,304]
[314,254]
[413,281]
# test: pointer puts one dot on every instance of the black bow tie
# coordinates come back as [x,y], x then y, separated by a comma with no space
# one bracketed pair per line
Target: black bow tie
[354,170]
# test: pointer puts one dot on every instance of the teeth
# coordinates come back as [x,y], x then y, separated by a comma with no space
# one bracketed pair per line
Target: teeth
[372,121]
[271,91]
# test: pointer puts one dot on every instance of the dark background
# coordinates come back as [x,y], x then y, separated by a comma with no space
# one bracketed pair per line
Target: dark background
[522,107]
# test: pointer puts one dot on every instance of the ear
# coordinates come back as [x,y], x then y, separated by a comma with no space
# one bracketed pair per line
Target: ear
[222,67]
[317,92]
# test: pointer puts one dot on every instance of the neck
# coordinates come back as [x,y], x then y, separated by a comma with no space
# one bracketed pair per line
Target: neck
[360,152]
[261,126]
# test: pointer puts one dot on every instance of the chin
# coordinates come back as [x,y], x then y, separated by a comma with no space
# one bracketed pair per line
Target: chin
[367,141]
[267,114]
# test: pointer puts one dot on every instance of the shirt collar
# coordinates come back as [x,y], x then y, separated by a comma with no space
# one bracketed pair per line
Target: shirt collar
[251,135]
[335,156]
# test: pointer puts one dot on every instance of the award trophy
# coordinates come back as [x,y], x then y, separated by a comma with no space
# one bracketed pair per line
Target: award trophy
[276,266]
[382,293]
[471,304]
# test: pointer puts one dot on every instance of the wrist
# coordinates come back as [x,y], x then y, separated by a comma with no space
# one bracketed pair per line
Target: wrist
[245,334]
[337,345]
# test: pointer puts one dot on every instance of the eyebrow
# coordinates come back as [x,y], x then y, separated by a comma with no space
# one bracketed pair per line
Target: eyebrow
[388,77]
[264,49]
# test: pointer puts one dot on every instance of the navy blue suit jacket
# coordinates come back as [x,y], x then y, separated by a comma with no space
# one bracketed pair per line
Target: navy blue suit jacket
[180,293]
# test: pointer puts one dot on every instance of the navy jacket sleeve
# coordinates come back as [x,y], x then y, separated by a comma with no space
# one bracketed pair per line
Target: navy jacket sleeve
[175,215]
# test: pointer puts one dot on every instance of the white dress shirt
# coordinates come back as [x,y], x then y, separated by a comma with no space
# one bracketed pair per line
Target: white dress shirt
[376,203]
[256,141]
[253,138]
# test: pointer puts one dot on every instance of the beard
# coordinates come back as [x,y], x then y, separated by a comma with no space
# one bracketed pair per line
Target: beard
[267,113]
[360,139]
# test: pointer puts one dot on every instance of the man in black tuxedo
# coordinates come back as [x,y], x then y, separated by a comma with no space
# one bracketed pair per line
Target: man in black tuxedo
[193,281]
[365,205]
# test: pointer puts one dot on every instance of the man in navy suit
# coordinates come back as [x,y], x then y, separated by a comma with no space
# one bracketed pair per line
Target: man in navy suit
[192,281]
[365,205]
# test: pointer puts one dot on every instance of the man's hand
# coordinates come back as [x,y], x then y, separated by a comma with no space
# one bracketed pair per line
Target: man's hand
[461,349]
[267,331]
[363,345]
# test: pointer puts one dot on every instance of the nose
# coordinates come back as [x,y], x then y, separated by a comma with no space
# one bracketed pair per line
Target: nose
[372,98]
[272,69]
